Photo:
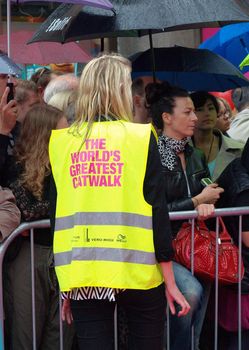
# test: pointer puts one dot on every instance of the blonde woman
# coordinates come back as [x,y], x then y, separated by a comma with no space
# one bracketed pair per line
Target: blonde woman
[107,248]
[224,117]
[28,175]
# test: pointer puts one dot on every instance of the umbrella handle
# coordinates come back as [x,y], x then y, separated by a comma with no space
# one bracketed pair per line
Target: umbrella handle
[152,55]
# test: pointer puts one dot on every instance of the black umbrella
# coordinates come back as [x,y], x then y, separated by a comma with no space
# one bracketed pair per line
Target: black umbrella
[136,17]
[192,69]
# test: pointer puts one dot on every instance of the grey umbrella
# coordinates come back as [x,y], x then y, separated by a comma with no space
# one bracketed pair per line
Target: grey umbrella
[7,66]
[138,17]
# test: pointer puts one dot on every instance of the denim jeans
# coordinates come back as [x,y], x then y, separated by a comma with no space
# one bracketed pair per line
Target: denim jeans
[180,327]
[145,311]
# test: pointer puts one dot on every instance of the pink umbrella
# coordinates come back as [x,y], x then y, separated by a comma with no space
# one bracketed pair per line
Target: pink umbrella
[42,53]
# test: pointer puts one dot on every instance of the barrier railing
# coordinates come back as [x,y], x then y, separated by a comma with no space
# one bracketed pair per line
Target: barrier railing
[183,215]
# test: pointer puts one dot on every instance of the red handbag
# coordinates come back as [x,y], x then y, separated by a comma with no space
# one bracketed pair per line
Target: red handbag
[204,252]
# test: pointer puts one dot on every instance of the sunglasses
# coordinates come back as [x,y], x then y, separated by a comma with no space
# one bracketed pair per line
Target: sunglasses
[43,72]
[5,76]
[224,115]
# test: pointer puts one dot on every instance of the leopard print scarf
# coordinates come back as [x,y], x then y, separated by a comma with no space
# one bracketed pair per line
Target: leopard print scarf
[169,148]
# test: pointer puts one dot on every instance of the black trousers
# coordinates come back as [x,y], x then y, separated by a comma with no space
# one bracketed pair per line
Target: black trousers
[145,310]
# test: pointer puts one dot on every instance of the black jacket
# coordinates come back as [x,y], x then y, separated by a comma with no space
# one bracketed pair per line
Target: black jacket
[6,146]
[235,181]
[177,194]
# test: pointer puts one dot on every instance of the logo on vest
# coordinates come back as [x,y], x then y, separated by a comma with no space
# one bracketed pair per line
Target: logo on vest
[121,238]
[93,238]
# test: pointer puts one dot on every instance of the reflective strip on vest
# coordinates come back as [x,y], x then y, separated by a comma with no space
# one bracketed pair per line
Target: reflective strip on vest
[103,218]
[105,254]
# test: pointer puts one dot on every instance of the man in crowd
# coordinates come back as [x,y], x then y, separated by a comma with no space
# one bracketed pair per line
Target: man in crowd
[65,82]
[26,96]
[239,129]
[13,113]
[140,112]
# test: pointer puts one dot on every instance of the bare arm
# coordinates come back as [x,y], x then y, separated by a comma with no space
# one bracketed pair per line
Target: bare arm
[173,294]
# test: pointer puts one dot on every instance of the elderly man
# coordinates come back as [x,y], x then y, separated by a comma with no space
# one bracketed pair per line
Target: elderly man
[26,96]
[239,128]
[65,82]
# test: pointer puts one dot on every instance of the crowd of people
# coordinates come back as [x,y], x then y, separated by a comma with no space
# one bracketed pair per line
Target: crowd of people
[68,144]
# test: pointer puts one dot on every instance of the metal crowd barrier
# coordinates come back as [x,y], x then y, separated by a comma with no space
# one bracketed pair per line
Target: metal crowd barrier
[183,215]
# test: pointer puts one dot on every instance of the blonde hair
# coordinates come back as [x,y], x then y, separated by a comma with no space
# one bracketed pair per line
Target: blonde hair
[104,91]
[226,105]
[62,99]
[31,150]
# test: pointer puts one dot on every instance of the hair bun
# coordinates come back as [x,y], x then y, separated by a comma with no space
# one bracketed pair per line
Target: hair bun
[155,91]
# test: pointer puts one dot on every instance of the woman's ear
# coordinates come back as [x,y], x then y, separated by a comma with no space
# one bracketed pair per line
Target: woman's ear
[166,117]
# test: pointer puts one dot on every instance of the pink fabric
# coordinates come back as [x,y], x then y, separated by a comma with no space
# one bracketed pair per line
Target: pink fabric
[228,310]
[208,32]
[227,95]
[43,52]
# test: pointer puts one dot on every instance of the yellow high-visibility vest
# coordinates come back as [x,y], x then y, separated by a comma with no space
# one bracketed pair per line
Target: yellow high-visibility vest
[103,230]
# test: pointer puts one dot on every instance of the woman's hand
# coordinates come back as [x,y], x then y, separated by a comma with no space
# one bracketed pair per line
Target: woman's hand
[172,292]
[174,295]
[205,211]
[66,313]
[210,194]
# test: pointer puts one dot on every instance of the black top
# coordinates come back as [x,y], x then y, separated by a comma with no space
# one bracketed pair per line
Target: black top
[6,144]
[180,187]
[154,195]
[235,181]
[31,208]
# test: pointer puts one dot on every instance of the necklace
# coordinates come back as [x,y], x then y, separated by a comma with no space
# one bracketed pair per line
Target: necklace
[210,149]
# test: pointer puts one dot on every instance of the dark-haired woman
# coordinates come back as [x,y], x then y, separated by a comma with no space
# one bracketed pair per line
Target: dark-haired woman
[219,149]
[172,111]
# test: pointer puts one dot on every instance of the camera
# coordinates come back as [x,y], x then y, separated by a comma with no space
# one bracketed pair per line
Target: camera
[11,92]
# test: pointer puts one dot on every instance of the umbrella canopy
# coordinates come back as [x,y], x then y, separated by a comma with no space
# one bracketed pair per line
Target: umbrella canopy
[231,42]
[7,66]
[105,4]
[71,22]
[42,53]
[192,69]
